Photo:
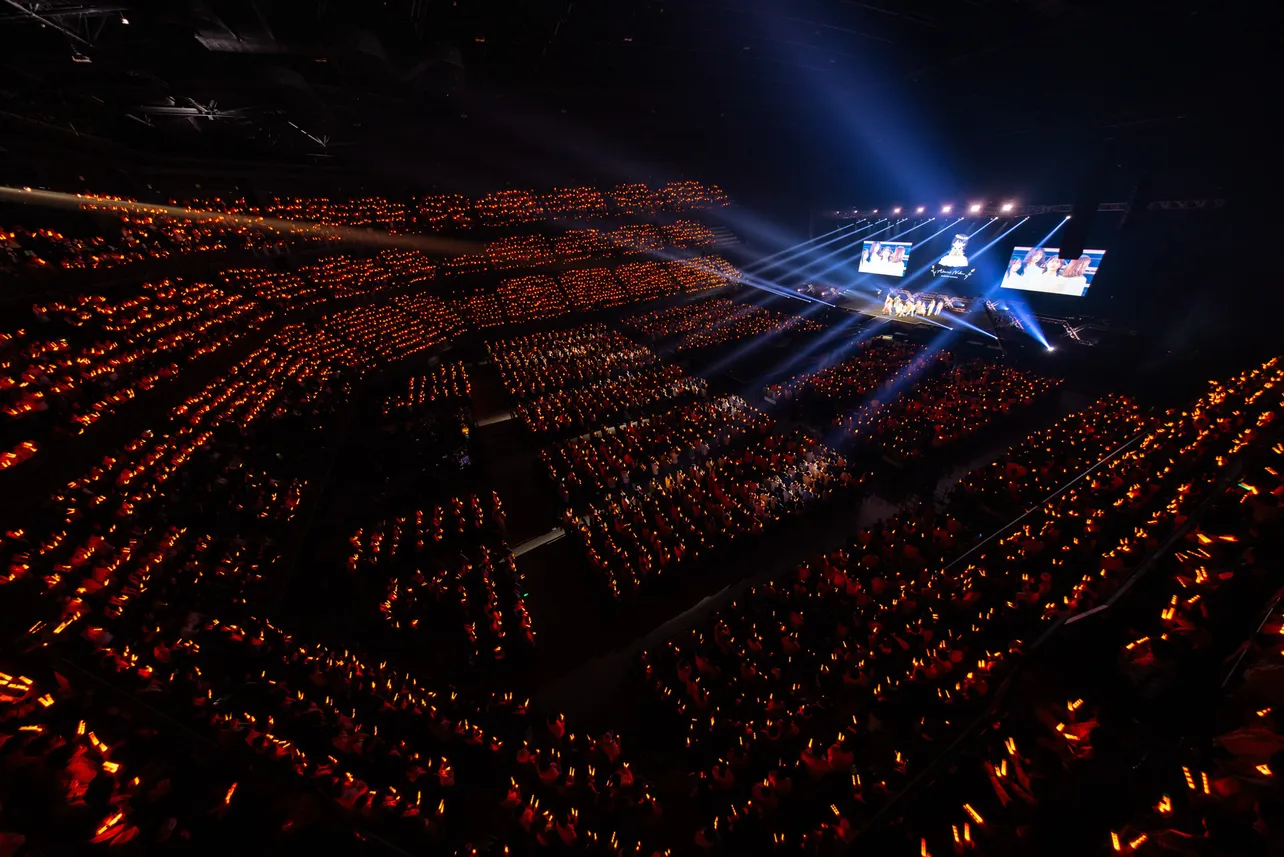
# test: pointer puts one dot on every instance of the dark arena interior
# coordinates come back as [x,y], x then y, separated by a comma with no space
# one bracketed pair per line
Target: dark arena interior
[639,429]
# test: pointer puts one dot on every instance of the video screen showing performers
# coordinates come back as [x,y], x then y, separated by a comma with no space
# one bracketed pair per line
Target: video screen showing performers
[1042,269]
[885,257]
[954,264]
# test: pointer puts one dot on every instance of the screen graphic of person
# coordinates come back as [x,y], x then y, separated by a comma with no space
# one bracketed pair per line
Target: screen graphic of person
[1014,269]
[1075,275]
[957,257]
[1066,278]
[896,263]
[1032,264]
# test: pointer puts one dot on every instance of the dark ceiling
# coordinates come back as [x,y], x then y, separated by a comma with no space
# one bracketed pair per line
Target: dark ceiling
[827,96]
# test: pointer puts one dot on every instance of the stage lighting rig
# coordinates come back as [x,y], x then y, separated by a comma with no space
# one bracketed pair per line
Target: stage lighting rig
[976,207]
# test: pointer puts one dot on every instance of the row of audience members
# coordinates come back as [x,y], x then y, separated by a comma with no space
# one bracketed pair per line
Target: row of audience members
[805,706]
[1214,791]
[140,572]
[535,364]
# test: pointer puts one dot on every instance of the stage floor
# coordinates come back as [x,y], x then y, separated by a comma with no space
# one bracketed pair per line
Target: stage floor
[874,309]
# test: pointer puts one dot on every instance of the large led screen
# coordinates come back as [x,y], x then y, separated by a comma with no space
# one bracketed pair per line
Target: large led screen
[885,257]
[1041,269]
[954,264]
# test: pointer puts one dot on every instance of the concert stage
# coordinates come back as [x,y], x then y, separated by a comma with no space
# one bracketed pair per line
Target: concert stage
[875,306]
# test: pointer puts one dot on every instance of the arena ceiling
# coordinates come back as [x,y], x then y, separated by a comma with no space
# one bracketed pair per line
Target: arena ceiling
[321,79]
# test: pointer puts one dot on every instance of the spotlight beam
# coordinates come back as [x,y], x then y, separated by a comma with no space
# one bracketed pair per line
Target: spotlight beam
[847,261]
[776,265]
[983,228]
[998,238]
[1046,238]
[897,237]
[804,247]
[845,249]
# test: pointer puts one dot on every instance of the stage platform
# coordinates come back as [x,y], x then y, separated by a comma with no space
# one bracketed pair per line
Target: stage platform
[873,308]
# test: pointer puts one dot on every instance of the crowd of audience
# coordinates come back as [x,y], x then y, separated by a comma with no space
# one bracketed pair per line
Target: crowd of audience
[537,297]
[511,207]
[531,298]
[480,310]
[407,267]
[331,278]
[74,361]
[448,574]
[809,703]
[373,212]
[284,290]
[639,532]
[688,233]
[646,281]
[576,245]
[1219,794]
[618,399]
[714,322]
[634,198]
[589,466]
[942,408]
[505,207]
[575,202]
[1186,766]
[345,275]
[539,363]
[681,319]
[744,321]
[122,231]
[118,236]
[790,722]
[464,265]
[641,239]
[690,195]
[128,558]
[590,289]
[1081,438]
[443,384]
[873,364]
[444,211]
[704,273]
[78,770]
[520,251]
